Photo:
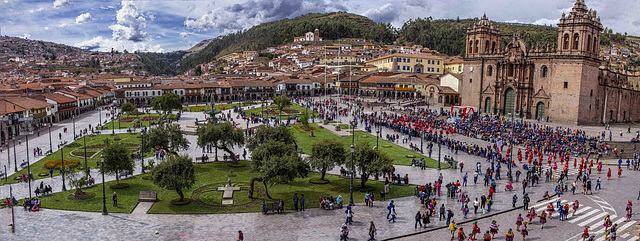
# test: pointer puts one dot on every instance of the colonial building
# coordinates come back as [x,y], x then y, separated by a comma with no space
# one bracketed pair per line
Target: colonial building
[309,37]
[409,63]
[564,84]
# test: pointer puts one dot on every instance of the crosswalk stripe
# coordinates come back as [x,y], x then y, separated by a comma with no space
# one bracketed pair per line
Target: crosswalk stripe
[546,203]
[620,229]
[601,230]
[625,235]
[581,210]
[573,220]
[599,216]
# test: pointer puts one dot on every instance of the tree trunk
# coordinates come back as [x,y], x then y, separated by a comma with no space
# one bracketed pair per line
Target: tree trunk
[255,179]
[179,191]
[117,177]
[363,179]
[265,189]
[324,171]
[233,156]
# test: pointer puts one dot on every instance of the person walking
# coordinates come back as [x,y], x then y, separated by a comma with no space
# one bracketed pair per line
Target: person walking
[349,213]
[418,220]
[475,206]
[115,199]
[442,210]
[525,201]
[372,232]
[449,215]
[393,214]
[390,207]
[240,235]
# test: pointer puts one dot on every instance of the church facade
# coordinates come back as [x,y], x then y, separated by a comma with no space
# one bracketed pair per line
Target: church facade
[564,84]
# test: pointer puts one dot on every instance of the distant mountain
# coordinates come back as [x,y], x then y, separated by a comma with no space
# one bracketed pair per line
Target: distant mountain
[331,25]
[21,47]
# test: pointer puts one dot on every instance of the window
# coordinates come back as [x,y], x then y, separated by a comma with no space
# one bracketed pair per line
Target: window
[398,67]
[438,70]
[576,39]
[470,80]
[408,60]
[565,43]
[545,71]
[438,61]
[566,84]
[490,70]
[591,93]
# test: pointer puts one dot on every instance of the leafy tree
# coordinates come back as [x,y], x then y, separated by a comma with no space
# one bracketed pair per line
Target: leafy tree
[117,159]
[198,70]
[127,107]
[325,155]
[368,161]
[177,172]
[277,162]
[76,181]
[281,101]
[222,136]
[304,118]
[169,138]
[266,133]
[167,102]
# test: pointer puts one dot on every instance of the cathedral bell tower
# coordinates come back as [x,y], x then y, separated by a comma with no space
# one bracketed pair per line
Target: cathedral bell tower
[482,38]
[579,32]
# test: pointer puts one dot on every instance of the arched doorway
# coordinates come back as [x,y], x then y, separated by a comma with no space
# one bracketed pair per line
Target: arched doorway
[487,105]
[509,101]
[540,110]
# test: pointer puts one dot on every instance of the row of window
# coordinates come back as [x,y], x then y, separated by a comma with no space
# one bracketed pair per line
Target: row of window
[510,70]
[408,60]
[429,69]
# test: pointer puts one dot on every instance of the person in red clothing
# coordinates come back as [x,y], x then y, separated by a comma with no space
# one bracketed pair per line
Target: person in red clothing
[585,235]
[619,172]
[240,235]
[609,174]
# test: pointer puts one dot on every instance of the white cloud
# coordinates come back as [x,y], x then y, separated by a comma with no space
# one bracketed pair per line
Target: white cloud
[40,9]
[244,15]
[104,44]
[386,13]
[60,3]
[46,28]
[546,21]
[184,35]
[26,36]
[62,25]
[84,18]
[130,24]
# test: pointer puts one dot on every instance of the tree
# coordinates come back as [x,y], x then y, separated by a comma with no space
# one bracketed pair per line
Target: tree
[325,155]
[77,182]
[266,133]
[167,102]
[198,70]
[169,138]
[117,158]
[222,136]
[304,118]
[277,162]
[281,101]
[127,108]
[177,172]
[368,161]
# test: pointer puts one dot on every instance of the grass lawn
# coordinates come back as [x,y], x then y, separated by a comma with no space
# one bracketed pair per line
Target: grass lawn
[216,173]
[397,153]
[200,108]
[271,110]
[127,121]
[77,147]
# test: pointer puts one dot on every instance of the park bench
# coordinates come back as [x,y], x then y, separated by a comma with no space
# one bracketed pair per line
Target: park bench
[125,173]
[344,172]
[23,164]
[64,142]
[273,207]
[48,153]
[44,192]
[148,196]
[202,158]
[129,130]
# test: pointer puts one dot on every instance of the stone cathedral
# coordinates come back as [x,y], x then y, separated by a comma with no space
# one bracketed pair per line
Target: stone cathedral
[564,84]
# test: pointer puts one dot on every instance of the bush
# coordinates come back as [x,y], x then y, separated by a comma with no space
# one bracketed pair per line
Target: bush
[73,145]
[237,164]
[122,185]
[365,189]
[177,201]
[55,164]
[317,180]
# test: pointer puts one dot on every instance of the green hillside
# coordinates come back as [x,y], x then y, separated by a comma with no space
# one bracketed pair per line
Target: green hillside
[331,25]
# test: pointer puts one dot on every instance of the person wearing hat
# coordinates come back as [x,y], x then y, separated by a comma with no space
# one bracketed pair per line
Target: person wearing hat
[493,229]
[115,199]
[585,234]
[452,228]
[240,235]
[509,236]
[344,232]
[474,230]
[629,211]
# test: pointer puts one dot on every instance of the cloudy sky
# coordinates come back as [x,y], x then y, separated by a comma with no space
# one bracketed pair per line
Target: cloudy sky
[167,25]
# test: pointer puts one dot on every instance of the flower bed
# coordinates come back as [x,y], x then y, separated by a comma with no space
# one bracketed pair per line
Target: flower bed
[55,164]
[127,119]
[148,118]
[96,146]
[290,111]
[80,152]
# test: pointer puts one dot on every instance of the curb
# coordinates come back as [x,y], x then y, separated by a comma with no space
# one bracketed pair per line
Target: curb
[464,222]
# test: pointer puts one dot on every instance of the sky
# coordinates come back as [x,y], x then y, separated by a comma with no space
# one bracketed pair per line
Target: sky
[168,25]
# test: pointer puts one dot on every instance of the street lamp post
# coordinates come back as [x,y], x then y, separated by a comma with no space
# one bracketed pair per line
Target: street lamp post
[353,147]
[73,119]
[377,136]
[50,145]
[421,142]
[6,174]
[26,137]
[64,187]
[99,116]
[86,167]
[15,158]
[439,151]
[104,198]
[142,150]
[113,125]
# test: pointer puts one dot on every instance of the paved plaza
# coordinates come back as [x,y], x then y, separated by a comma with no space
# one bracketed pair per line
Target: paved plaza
[320,224]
